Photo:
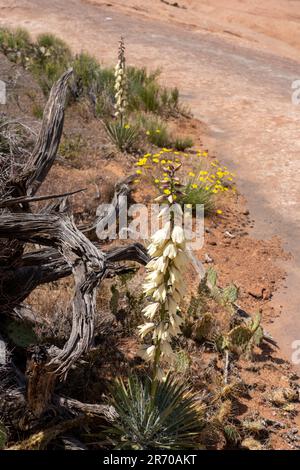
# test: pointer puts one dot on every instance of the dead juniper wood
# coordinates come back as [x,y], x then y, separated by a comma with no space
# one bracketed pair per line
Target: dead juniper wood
[64,250]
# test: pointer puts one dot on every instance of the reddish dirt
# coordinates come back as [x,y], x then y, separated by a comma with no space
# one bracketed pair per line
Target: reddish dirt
[242,96]
[234,63]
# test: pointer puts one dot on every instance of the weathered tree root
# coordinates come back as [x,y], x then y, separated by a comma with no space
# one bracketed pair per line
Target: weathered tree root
[67,251]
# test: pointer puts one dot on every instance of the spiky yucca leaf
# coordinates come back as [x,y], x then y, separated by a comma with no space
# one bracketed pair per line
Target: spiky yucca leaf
[169,418]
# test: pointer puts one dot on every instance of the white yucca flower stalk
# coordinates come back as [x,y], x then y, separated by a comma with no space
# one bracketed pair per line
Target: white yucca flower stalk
[120,83]
[164,286]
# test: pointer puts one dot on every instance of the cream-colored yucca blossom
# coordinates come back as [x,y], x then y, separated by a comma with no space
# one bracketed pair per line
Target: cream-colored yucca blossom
[120,83]
[164,286]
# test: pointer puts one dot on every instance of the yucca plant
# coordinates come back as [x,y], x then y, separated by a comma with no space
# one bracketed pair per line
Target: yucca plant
[125,137]
[170,418]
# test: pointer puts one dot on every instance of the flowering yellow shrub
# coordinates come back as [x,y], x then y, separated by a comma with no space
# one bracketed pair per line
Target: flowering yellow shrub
[196,173]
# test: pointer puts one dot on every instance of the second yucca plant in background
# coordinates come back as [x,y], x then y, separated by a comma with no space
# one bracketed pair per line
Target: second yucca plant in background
[122,134]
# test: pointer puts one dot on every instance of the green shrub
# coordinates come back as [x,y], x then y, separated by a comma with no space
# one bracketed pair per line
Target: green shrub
[149,98]
[154,129]
[145,93]
[71,147]
[182,144]
[87,68]
[15,44]
[169,418]
[125,137]
[198,195]
[141,88]
[17,39]
[86,73]
[50,60]
[169,101]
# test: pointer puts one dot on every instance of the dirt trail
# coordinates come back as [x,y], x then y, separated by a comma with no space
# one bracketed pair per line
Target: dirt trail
[242,94]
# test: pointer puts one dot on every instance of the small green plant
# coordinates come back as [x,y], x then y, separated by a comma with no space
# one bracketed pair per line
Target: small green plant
[71,147]
[198,194]
[86,74]
[154,129]
[182,144]
[145,93]
[50,59]
[15,44]
[168,419]
[124,136]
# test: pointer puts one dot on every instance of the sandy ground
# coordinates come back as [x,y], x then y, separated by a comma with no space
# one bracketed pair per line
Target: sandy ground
[234,62]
